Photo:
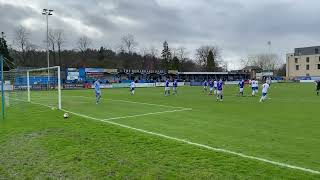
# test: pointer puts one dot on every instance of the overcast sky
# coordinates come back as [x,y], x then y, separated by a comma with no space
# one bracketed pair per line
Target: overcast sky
[238,27]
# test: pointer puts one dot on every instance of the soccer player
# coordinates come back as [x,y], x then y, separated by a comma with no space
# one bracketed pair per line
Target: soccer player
[253,87]
[205,85]
[96,86]
[132,86]
[257,86]
[265,88]
[215,86]
[211,87]
[175,85]
[268,81]
[219,92]
[167,88]
[241,86]
[318,87]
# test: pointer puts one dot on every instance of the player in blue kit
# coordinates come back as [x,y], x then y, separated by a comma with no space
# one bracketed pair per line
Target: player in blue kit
[205,85]
[175,85]
[211,87]
[167,88]
[219,92]
[318,87]
[241,86]
[96,86]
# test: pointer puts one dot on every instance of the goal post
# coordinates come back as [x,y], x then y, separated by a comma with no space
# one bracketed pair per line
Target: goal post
[53,76]
[37,85]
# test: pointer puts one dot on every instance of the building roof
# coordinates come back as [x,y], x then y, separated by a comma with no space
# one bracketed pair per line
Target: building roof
[251,67]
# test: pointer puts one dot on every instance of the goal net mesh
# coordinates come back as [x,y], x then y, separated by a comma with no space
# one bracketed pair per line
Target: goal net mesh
[39,86]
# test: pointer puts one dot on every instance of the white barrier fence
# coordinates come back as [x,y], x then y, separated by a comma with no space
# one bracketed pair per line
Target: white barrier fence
[307,81]
[138,85]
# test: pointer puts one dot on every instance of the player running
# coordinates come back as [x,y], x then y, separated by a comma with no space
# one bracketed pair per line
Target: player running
[96,86]
[219,92]
[167,88]
[132,86]
[265,88]
[211,87]
[215,86]
[205,85]
[268,81]
[241,86]
[175,85]
[254,87]
[318,87]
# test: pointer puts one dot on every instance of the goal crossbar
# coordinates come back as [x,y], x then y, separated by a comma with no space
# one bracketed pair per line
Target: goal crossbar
[58,83]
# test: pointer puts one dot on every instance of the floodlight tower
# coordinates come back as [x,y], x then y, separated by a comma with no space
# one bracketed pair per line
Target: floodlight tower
[47,13]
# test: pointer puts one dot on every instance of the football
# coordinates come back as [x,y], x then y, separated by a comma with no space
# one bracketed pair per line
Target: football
[66,115]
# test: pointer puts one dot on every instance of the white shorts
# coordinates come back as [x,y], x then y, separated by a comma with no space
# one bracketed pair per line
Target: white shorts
[211,89]
[219,92]
[241,89]
[174,88]
[167,88]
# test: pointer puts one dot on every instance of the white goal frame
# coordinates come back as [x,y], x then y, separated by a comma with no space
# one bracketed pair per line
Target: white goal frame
[59,82]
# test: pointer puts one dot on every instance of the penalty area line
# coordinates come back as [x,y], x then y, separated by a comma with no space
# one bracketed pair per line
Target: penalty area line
[186,141]
[134,102]
[197,144]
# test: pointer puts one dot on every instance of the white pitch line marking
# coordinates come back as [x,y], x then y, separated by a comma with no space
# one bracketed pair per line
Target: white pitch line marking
[134,102]
[192,143]
[201,145]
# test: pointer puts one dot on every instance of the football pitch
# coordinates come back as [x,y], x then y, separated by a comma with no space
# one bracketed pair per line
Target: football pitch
[152,136]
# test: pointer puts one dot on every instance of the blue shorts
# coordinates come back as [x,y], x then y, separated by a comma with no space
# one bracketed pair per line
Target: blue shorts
[264,94]
[98,93]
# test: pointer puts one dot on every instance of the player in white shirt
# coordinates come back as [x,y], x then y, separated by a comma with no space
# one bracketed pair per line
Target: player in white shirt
[265,88]
[268,80]
[253,87]
[215,86]
[257,87]
[132,86]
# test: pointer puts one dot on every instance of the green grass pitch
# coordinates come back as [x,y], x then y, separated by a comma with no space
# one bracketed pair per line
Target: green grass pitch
[37,143]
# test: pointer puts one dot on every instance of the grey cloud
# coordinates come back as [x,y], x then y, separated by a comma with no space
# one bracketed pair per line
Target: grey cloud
[239,27]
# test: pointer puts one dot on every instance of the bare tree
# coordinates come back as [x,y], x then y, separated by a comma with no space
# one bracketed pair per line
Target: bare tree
[182,54]
[60,40]
[263,61]
[129,42]
[83,43]
[153,51]
[203,52]
[52,43]
[22,38]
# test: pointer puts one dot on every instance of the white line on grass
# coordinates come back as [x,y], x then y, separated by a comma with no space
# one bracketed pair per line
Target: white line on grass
[145,114]
[199,145]
[191,143]
[134,102]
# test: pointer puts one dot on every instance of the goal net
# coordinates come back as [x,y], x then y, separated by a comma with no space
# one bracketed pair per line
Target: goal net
[38,86]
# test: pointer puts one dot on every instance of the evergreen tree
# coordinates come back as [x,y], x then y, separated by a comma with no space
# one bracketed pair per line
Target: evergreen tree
[101,54]
[166,56]
[175,63]
[210,62]
[5,53]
